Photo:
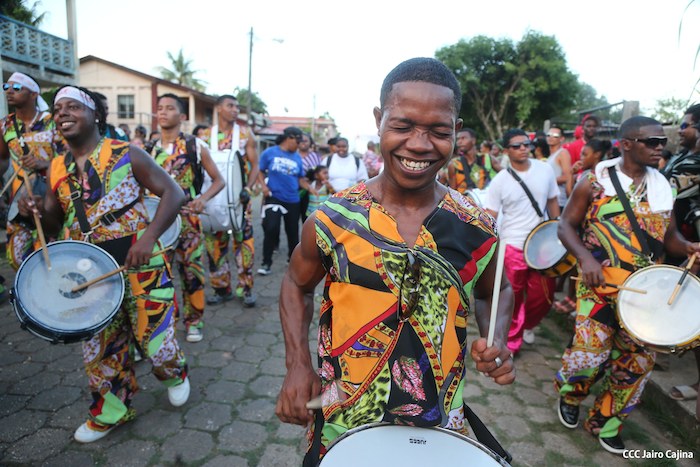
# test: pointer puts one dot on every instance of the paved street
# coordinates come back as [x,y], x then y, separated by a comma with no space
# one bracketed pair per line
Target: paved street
[236,372]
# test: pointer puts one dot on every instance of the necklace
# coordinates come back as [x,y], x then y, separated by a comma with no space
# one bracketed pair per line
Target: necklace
[640,191]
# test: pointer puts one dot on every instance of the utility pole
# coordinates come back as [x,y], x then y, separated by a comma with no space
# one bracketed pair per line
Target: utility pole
[249,104]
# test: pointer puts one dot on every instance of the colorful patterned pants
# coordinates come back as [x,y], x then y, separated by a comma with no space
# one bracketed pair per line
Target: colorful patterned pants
[601,350]
[21,242]
[217,246]
[188,257]
[532,296]
[145,318]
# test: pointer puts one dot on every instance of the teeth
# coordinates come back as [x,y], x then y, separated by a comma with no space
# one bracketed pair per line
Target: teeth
[413,165]
[66,124]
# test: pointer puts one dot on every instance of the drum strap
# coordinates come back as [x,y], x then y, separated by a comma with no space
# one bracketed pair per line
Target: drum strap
[527,192]
[108,218]
[630,214]
[484,436]
[311,457]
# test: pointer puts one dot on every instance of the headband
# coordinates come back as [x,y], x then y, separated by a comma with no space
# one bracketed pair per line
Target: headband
[70,92]
[32,85]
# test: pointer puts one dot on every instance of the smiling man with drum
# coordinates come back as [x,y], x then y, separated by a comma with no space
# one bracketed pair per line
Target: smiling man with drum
[400,255]
[95,195]
[610,249]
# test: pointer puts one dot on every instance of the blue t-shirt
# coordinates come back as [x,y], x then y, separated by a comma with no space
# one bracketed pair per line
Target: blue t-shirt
[283,170]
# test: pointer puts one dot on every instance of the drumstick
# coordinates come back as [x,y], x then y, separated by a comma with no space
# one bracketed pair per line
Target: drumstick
[677,288]
[97,279]
[8,184]
[315,403]
[500,256]
[615,286]
[37,222]
[203,213]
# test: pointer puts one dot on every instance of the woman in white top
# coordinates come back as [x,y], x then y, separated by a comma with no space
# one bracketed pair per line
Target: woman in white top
[344,170]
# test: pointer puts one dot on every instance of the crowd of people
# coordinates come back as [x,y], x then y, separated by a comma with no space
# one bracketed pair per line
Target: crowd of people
[403,238]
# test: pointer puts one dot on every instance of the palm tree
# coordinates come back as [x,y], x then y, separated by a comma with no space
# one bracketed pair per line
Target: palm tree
[181,72]
[16,9]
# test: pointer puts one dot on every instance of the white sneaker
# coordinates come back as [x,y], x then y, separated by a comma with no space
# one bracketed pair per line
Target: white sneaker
[178,395]
[529,336]
[194,334]
[85,434]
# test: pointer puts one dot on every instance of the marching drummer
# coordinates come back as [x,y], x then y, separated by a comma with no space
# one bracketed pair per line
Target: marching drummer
[392,333]
[29,140]
[521,196]
[228,133]
[184,157]
[95,195]
[611,248]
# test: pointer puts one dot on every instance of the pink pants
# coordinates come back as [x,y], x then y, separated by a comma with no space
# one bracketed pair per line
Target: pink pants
[532,296]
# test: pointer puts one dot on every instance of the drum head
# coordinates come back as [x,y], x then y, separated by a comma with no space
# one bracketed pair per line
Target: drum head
[543,249]
[172,233]
[649,318]
[479,196]
[43,299]
[382,444]
[225,211]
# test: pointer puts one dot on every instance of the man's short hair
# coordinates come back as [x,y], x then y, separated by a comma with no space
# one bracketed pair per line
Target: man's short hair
[332,141]
[694,111]
[342,139]
[422,69]
[512,133]
[170,95]
[630,127]
[220,100]
[471,132]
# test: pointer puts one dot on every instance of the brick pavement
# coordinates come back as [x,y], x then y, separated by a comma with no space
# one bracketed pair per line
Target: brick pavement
[229,420]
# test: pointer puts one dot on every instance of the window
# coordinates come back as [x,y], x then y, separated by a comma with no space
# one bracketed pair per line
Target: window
[125,106]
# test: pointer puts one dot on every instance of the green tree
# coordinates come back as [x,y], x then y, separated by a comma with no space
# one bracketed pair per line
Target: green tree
[16,9]
[669,110]
[257,105]
[181,72]
[507,84]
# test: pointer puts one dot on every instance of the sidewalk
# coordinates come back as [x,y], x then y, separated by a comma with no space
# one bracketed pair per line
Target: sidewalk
[236,372]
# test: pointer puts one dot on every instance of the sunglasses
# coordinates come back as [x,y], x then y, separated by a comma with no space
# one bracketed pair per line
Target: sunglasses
[685,125]
[409,292]
[524,144]
[553,135]
[652,142]
[15,86]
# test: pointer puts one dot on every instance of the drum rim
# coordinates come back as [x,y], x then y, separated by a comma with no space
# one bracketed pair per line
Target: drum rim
[454,433]
[655,345]
[31,323]
[527,241]
[234,205]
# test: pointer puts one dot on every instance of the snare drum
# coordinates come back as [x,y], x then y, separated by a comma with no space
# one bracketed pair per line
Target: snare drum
[386,444]
[171,235]
[544,252]
[43,301]
[225,211]
[648,318]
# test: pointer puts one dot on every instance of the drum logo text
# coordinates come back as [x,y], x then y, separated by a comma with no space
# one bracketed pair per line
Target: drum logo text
[417,441]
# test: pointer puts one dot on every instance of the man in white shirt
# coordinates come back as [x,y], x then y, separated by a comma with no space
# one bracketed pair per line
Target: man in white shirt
[344,170]
[533,291]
